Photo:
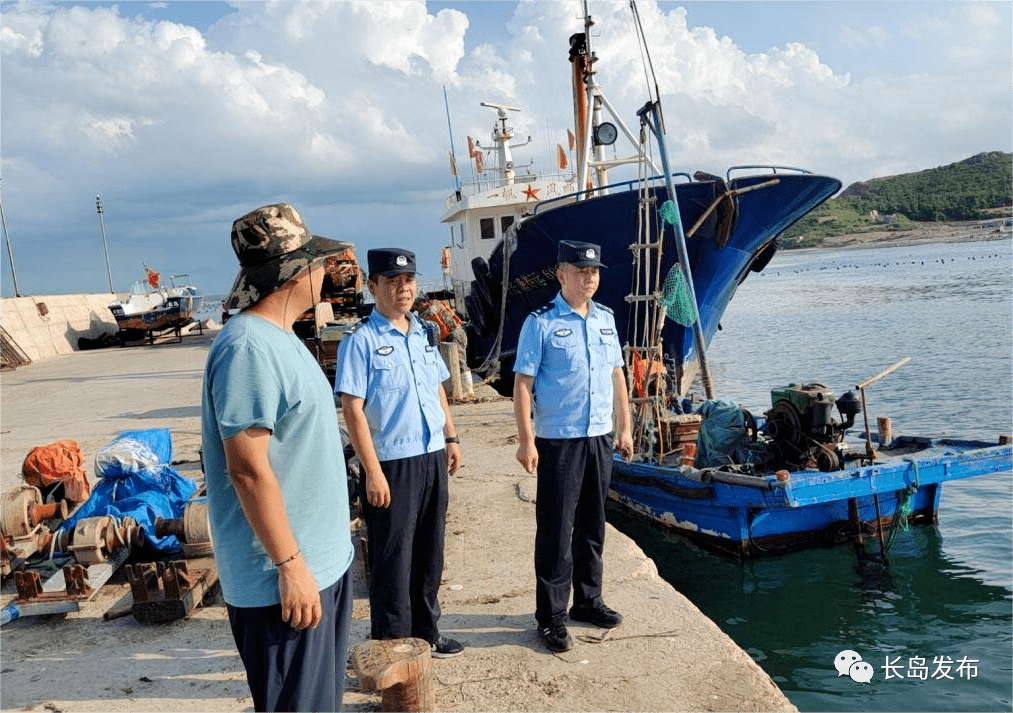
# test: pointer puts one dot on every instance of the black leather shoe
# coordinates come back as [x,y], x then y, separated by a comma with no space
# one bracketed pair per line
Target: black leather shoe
[598,615]
[556,638]
[446,648]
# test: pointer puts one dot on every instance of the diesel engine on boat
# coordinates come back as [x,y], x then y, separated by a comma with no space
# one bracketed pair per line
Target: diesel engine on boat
[801,427]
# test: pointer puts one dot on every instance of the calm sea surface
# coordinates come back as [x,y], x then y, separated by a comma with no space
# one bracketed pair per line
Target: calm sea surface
[839,317]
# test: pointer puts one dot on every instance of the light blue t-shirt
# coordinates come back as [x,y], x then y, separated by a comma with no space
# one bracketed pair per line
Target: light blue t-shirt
[260,376]
[398,376]
[572,360]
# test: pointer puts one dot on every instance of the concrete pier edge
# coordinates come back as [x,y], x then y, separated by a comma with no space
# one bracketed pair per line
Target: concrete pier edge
[666,655]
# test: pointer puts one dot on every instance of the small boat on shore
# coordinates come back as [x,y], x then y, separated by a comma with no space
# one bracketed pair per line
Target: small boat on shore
[152,308]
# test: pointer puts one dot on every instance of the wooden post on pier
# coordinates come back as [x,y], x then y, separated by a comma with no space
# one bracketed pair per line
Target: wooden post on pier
[885,429]
[401,669]
[460,377]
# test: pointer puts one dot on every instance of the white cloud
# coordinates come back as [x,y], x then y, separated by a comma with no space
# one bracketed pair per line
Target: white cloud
[861,38]
[338,107]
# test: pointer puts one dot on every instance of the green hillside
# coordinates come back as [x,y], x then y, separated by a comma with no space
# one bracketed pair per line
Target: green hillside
[966,190]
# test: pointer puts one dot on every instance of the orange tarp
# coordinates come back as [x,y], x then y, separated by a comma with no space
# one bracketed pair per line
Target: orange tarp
[55,463]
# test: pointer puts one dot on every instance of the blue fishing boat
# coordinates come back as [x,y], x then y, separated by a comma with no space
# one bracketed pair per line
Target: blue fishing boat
[677,247]
[768,513]
[505,226]
[733,241]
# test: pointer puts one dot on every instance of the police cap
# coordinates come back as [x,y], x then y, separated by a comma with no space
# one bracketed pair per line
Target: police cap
[580,254]
[390,262]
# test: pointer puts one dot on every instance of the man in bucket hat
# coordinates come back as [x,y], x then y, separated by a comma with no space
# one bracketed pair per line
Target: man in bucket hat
[568,371]
[389,377]
[276,481]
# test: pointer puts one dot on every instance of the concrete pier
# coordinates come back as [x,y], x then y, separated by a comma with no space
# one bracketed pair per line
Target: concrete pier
[666,656]
[52,324]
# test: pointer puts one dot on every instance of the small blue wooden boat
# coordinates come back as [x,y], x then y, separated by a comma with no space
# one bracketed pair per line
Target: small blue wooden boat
[755,515]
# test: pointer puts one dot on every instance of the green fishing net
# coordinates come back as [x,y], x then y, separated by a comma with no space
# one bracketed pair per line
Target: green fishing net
[675,297]
[675,294]
[669,212]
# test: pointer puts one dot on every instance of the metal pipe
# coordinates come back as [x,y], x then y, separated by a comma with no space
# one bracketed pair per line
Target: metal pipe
[883,373]
[10,253]
[870,453]
[105,246]
[654,121]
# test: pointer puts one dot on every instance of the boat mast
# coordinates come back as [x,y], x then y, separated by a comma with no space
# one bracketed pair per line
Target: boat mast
[586,107]
[453,156]
[588,104]
[650,115]
[501,135]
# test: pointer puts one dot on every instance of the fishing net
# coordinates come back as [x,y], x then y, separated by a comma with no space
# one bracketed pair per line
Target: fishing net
[675,294]
[675,297]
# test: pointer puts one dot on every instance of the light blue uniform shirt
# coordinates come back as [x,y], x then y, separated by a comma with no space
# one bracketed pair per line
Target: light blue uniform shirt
[572,360]
[398,376]
[260,376]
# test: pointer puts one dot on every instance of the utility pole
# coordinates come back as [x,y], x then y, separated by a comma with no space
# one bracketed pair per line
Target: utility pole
[105,246]
[7,238]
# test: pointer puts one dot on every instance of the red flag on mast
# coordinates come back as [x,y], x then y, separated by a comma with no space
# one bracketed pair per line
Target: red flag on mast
[471,147]
[562,157]
[570,137]
[152,277]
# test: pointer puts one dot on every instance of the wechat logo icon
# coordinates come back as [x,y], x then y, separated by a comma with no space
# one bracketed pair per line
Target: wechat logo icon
[849,663]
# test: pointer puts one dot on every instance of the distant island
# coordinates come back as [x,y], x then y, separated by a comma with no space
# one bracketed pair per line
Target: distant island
[967,200]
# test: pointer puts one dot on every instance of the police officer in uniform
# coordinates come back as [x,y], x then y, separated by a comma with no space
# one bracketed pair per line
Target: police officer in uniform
[389,378]
[568,374]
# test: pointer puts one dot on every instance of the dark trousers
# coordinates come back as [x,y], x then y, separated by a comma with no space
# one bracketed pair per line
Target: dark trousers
[573,482]
[406,548]
[289,670]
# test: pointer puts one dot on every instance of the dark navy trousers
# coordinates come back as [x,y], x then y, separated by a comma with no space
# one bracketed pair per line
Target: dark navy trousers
[290,670]
[406,548]
[573,483]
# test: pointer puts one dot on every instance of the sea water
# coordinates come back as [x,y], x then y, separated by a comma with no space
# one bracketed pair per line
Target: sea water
[935,623]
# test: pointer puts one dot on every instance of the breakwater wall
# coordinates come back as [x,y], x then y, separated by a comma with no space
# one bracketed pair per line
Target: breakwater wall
[47,325]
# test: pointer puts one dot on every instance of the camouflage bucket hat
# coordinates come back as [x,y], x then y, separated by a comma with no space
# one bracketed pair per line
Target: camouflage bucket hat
[273,246]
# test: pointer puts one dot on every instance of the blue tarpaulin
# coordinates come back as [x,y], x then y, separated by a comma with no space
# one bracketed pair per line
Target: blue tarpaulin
[722,433]
[137,480]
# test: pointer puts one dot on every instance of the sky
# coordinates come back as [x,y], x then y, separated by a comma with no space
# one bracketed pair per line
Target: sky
[184,116]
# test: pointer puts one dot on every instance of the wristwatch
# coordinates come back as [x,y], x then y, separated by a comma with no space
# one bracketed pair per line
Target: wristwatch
[452,439]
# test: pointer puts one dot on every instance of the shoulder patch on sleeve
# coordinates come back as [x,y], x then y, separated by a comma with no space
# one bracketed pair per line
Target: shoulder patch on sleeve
[351,330]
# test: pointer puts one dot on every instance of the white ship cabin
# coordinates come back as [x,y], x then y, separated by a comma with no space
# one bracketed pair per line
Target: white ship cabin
[481,211]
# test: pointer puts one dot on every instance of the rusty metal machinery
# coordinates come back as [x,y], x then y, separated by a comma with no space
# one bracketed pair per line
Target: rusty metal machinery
[23,531]
[99,544]
[167,591]
[193,530]
[96,539]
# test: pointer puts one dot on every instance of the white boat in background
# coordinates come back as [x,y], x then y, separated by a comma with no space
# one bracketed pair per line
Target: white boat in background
[481,211]
[152,307]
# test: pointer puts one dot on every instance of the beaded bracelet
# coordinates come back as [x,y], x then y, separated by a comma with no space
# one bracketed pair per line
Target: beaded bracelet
[286,561]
